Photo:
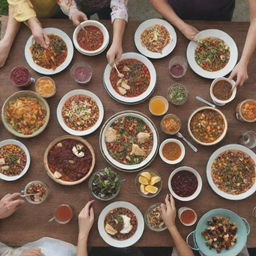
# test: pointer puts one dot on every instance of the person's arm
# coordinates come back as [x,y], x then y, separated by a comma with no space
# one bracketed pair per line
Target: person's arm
[168,212]
[119,18]
[9,204]
[240,70]
[164,8]
[85,222]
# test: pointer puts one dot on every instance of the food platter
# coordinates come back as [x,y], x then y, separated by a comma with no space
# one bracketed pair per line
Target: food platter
[25,104]
[141,158]
[243,229]
[69,160]
[167,27]
[83,107]
[214,156]
[22,149]
[216,34]
[49,71]
[121,243]
[145,66]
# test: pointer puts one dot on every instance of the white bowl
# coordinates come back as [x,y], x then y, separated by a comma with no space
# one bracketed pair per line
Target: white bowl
[131,100]
[105,36]
[86,93]
[181,210]
[123,243]
[183,151]
[199,186]
[22,146]
[218,101]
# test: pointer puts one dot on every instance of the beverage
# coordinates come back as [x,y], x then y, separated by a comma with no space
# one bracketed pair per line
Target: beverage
[177,67]
[20,77]
[63,214]
[187,216]
[81,73]
[158,105]
[248,139]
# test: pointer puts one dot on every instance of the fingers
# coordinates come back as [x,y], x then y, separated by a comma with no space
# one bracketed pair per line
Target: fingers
[167,202]
[84,17]
[232,75]
[91,214]
[111,59]
[163,208]
[16,203]
[86,209]
[13,196]
[46,39]
[172,201]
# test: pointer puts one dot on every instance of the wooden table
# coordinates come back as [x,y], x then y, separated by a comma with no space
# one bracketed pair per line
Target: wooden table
[31,221]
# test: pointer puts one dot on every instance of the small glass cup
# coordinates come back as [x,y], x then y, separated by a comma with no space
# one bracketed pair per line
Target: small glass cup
[171,116]
[21,77]
[161,100]
[182,210]
[81,72]
[63,214]
[37,85]
[239,114]
[248,139]
[178,67]
[174,94]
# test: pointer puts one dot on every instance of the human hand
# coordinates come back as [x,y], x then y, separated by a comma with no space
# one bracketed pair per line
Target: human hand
[114,54]
[240,72]
[38,33]
[86,219]
[9,204]
[33,252]
[189,31]
[168,211]
[77,17]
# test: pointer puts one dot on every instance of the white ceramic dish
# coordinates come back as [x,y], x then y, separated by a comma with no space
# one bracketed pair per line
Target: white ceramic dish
[209,171]
[61,67]
[115,163]
[131,100]
[86,93]
[222,135]
[218,101]
[167,49]
[199,186]
[105,36]
[183,151]
[22,146]
[217,34]
[123,243]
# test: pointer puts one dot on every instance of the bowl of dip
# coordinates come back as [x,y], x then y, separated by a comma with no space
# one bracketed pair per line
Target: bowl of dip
[187,216]
[81,72]
[21,77]
[178,66]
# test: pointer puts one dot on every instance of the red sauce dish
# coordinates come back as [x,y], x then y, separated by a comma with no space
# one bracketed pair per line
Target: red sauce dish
[187,216]
[63,214]
[185,183]
[20,77]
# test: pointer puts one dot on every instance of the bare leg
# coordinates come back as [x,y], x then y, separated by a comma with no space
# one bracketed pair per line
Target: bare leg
[9,36]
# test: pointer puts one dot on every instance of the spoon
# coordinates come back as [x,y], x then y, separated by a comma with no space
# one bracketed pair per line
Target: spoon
[25,195]
[120,75]
[205,102]
[189,143]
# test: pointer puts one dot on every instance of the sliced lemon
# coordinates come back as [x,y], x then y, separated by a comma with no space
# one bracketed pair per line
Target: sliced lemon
[154,180]
[146,175]
[143,180]
[151,189]
[142,189]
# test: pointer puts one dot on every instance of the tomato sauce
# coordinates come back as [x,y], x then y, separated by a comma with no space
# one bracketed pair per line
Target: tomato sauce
[20,76]
[171,151]
[90,38]
[63,213]
[222,90]
[187,217]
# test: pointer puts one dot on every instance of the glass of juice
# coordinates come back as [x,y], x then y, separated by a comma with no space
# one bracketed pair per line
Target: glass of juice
[63,214]
[81,73]
[187,216]
[158,105]
[21,77]
[178,66]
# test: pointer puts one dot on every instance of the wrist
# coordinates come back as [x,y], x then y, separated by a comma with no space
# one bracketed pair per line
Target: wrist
[172,227]
[83,236]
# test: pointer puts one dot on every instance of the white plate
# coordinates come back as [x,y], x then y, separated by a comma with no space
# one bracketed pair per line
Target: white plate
[209,171]
[61,67]
[131,100]
[105,36]
[104,149]
[217,34]
[22,146]
[167,49]
[86,93]
[124,243]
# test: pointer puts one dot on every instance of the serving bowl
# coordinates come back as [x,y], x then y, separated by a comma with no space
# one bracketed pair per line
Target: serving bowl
[30,94]
[115,163]
[85,93]
[58,140]
[199,183]
[179,159]
[102,28]
[24,148]
[220,138]
[137,99]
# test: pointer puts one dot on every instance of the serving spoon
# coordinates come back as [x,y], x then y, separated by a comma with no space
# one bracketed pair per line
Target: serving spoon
[120,75]
[179,135]
[205,102]
[26,195]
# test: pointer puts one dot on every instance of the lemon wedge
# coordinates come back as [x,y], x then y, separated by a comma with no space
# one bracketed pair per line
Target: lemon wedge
[154,180]
[143,180]
[151,189]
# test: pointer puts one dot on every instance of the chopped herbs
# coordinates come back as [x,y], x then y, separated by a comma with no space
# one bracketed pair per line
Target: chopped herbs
[177,94]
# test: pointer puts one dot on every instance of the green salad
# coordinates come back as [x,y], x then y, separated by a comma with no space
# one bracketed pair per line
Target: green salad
[105,184]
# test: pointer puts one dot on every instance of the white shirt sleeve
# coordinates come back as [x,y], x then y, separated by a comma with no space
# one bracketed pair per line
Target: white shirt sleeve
[119,10]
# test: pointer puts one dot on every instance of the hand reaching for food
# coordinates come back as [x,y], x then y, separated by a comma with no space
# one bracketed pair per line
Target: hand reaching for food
[33,252]
[189,31]
[9,204]
[168,211]
[240,72]
[114,54]
[77,17]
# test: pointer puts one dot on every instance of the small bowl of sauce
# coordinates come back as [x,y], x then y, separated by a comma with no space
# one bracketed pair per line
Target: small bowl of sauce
[172,151]
[21,77]
[187,216]
[63,214]
[222,92]
[177,66]
[246,111]
[170,124]
[81,73]
[158,105]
